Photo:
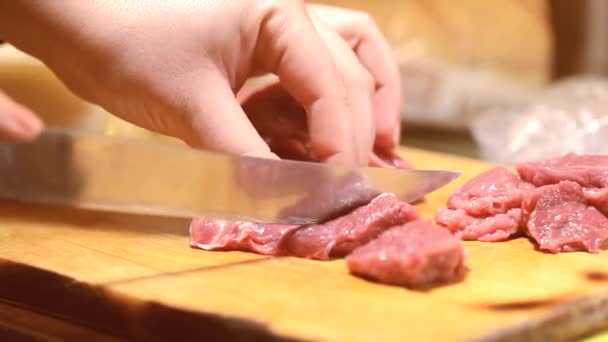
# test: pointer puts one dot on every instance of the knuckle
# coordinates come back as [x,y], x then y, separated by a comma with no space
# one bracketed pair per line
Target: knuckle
[273,6]
[364,80]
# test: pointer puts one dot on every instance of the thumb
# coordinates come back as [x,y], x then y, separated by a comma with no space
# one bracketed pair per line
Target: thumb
[17,123]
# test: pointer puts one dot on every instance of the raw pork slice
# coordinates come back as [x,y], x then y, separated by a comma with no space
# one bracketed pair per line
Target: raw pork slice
[587,170]
[486,208]
[489,229]
[558,219]
[213,234]
[334,238]
[598,197]
[417,254]
[590,171]
[495,191]
[340,236]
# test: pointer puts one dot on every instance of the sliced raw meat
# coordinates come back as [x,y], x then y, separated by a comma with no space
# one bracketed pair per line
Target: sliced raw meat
[486,208]
[340,236]
[558,219]
[417,254]
[587,170]
[598,197]
[214,234]
[498,227]
[492,192]
[334,238]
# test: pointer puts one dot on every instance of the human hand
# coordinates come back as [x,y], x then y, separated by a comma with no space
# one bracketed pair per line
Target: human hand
[373,52]
[174,67]
[17,123]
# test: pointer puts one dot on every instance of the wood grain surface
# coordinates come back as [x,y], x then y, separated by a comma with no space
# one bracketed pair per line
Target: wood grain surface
[136,277]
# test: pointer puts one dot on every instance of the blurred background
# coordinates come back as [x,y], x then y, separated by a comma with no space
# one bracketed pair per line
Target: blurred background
[502,80]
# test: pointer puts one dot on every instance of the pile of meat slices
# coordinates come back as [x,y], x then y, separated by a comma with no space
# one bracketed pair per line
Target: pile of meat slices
[560,203]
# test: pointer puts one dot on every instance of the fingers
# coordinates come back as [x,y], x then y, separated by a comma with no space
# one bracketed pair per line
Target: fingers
[218,123]
[17,123]
[359,87]
[289,46]
[375,53]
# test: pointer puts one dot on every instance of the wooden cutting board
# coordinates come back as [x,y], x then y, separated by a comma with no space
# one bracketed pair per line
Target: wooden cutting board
[124,276]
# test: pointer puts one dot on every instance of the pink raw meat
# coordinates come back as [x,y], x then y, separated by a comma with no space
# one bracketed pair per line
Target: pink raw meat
[417,254]
[340,236]
[559,220]
[598,197]
[587,170]
[213,234]
[498,227]
[334,238]
[492,192]
[486,208]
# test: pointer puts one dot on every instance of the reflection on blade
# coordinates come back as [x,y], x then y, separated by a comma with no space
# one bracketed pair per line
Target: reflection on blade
[333,197]
[139,177]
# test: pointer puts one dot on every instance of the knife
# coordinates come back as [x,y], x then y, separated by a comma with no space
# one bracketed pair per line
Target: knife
[126,175]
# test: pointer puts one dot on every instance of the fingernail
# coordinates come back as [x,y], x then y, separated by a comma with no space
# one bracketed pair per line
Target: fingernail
[266,155]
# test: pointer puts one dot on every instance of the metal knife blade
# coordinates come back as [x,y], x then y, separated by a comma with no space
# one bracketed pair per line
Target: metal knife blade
[139,177]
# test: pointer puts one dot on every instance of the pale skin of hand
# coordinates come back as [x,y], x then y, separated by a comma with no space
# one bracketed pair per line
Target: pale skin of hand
[175,68]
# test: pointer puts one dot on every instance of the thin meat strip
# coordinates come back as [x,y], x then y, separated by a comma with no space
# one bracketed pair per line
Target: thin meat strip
[221,235]
[588,170]
[417,254]
[340,236]
[488,229]
[334,238]
[559,220]
[486,208]
[598,197]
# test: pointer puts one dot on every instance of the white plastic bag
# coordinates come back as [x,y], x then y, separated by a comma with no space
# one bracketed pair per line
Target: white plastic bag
[569,116]
[447,96]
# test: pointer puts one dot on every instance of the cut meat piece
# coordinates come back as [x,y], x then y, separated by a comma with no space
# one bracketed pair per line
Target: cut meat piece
[487,207]
[214,234]
[558,219]
[598,197]
[334,238]
[499,227]
[417,254]
[587,170]
[492,192]
[340,236]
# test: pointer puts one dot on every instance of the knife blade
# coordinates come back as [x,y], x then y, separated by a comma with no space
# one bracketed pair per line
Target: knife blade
[133,176]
